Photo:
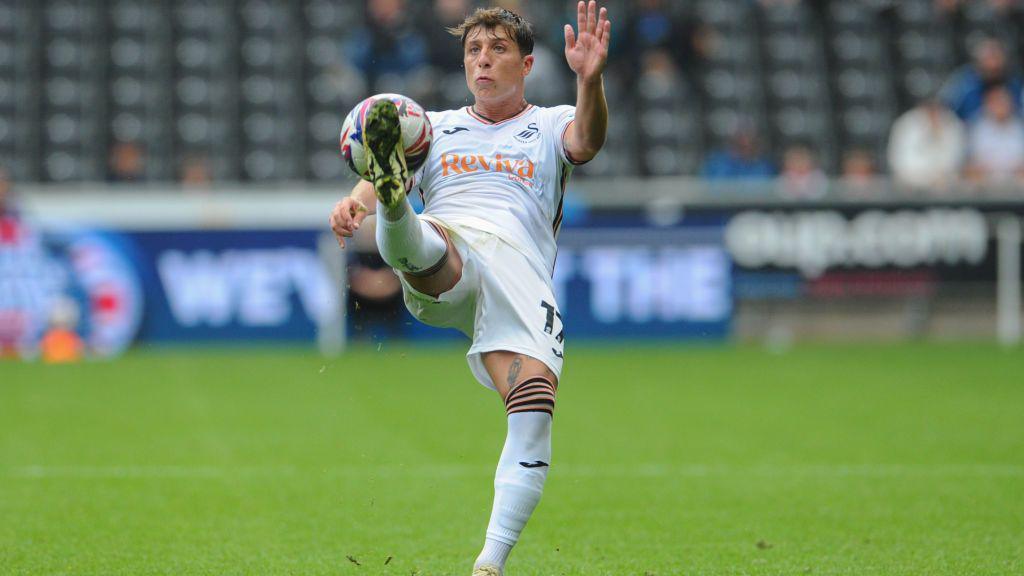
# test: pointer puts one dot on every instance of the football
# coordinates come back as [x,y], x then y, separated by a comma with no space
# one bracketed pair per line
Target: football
[416,133]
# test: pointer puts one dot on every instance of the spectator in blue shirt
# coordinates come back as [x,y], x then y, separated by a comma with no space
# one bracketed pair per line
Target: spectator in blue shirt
[389,44]
[742,160]
[661,25]
[964,92]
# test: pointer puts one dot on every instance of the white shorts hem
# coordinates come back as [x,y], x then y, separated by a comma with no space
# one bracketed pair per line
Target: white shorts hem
[476,363]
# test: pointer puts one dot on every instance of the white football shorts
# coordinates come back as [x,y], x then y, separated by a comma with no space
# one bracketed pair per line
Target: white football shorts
[502,302]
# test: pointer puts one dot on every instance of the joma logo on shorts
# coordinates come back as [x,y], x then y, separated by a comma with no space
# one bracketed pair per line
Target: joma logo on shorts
[469,163]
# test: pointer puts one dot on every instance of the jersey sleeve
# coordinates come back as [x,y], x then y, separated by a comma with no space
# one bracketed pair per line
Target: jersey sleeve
[560,118]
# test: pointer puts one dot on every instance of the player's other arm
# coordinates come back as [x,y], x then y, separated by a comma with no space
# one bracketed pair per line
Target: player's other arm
[587,55]
[350,212]
[587,134]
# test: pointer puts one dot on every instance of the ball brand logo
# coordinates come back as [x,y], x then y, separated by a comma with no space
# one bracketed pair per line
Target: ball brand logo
[529,134]
[406,110]
[517,168]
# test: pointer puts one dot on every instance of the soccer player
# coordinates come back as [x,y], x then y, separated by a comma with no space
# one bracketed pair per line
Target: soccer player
[481,255]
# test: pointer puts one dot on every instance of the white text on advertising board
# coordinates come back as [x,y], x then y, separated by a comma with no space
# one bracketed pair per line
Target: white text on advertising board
[815,241]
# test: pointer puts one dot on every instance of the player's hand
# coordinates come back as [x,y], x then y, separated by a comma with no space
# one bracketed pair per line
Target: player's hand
[587,53]
[346,218]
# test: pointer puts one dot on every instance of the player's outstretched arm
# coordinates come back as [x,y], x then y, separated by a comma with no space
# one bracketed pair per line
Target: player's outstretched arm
[587,55]
[350,212]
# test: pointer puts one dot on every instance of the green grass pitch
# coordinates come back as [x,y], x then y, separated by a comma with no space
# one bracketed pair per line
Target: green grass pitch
[853,459]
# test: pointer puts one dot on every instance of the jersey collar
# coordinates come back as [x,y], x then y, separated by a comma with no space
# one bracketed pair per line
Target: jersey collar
[481,119]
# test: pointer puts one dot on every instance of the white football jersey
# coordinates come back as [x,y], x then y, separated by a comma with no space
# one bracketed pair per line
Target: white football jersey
[506,178]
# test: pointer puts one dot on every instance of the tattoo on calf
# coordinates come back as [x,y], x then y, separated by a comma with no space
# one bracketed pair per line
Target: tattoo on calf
[513,371]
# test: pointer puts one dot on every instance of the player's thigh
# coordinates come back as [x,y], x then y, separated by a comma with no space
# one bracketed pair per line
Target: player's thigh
[444,279]
[509,368]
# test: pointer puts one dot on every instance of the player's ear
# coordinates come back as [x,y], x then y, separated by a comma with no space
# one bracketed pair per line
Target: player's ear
[527,65]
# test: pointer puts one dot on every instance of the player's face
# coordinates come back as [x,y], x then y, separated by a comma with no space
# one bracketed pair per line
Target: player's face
[495,69]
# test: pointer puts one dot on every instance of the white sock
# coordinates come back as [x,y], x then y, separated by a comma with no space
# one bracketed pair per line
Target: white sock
[410,244]
[517,488]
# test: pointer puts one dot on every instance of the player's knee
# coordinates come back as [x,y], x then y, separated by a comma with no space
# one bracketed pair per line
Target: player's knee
[437,282]
[533,394]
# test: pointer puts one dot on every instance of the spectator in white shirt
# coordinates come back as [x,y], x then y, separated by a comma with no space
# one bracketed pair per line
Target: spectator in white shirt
[996,140]
[926,147]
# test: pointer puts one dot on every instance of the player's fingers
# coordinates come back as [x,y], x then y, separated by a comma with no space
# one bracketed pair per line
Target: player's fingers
[336,225]
[357,211]
[592,17]
[333,220]
[570,37]
[606,38]
[345,223]
[340,214]
[338,230]
[359,216]
[581,16]
[600,23]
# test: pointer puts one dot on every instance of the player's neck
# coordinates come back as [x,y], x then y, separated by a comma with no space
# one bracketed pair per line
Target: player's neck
[498,111]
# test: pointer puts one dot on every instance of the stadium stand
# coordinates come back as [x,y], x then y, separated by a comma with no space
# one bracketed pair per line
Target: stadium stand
[254,90]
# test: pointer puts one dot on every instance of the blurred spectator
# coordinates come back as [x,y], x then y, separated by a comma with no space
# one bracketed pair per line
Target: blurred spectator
[445,51]
[658,69]
[801,177]
[388,44]
[946,7]
[547,83]
[126,162]
[996,140]
[742,160]
[964,91]
[859,172]
[6,199]
[375,294]
[195,172]
[61,343]
[1002,7]
[926,146]
[657,25]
